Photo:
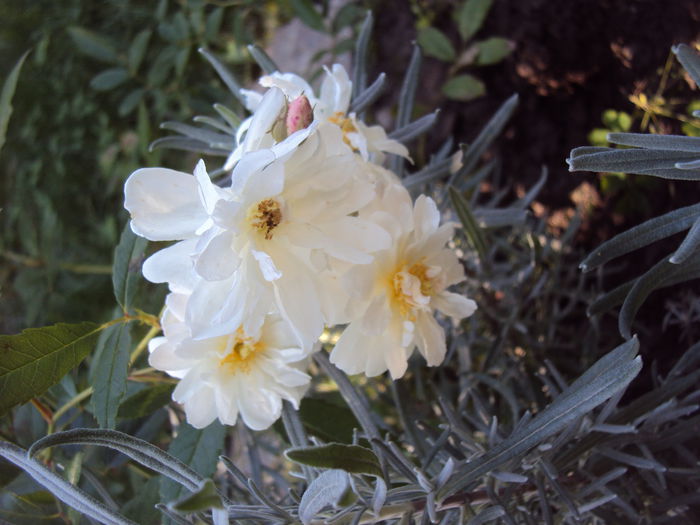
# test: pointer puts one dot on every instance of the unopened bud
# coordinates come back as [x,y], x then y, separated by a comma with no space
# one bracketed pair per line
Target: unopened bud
[299,114]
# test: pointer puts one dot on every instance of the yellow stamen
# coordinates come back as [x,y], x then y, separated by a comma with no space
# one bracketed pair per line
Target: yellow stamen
[345,124]
[265,216]
[242,354]
[407,304]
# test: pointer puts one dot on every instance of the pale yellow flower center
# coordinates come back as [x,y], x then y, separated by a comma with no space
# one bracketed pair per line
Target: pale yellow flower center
[345,124]
[265,216]
[243,353]
[411,288]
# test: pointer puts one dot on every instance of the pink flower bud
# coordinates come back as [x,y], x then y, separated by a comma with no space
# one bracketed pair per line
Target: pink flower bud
[299,114]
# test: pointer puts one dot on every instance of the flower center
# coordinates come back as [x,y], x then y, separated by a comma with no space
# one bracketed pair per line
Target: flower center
[242,354]
[265,216]
[412,288]
[345,124]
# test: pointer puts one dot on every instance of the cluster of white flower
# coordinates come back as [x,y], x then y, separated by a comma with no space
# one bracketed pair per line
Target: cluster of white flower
[312,232]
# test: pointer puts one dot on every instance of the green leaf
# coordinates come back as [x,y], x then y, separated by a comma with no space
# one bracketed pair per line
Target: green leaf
[493,50]
[126,270]
[329,421]
[8,91]
[464,87]
[129,103]
[205,498]
[436,44]
[197,448]
[327,489]
[471,16]
[38,358]
[350,458]
[146,401]
[109,382]
[471,227]
[109,78]
[306,11]
[92,44]
[137,49]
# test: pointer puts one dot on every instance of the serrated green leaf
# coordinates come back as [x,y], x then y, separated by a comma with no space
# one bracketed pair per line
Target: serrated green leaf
[109,383]
[350,458]
[470,17]
[205,498]
[92,44]
[493,50]
[327,420]
[8,91]
[464,87]
[137,49]
[197,448]
[126,270]
[306,11]
[38,358]
[327,489]
[436,44]
[109,79]
[146,401]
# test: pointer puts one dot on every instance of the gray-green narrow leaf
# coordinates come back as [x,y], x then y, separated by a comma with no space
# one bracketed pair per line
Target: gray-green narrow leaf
[109,381]
[145,453]
[350,458]
[325,490]
[38,358]
[61,488]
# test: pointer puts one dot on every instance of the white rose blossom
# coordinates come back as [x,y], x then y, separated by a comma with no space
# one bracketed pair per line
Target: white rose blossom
[268,242]
[330,107]
[239,373]
[393,299]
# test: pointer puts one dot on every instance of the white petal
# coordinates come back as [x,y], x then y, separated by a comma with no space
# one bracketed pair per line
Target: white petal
[250,166]
[218,261]
[267,265]
[208,191]
[425,216]
[455,305]
[172,265]
[430,338]
[350,352]
[259,408]
[200,409]
[336,89]
[164,204]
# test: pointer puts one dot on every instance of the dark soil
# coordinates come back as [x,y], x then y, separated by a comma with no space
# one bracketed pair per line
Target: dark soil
[573,59]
